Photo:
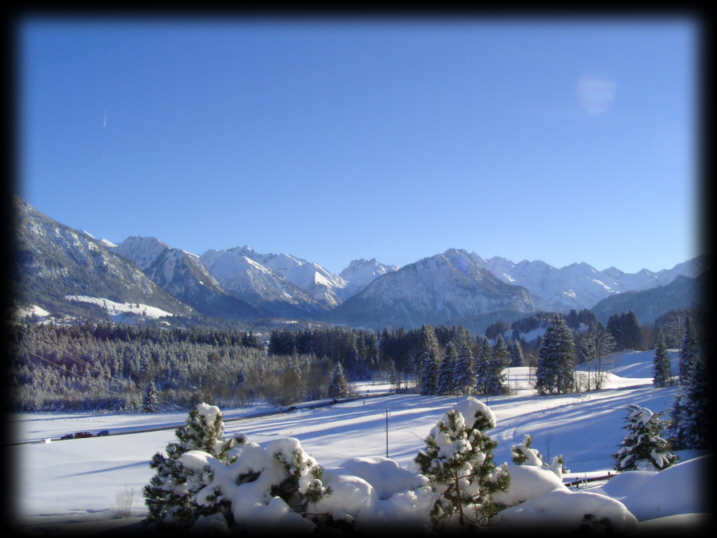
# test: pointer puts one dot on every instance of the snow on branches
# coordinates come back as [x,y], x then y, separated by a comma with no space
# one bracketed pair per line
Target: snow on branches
[643,448]
[458,461]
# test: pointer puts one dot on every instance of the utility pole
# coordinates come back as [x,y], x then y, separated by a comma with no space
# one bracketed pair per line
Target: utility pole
[387,432]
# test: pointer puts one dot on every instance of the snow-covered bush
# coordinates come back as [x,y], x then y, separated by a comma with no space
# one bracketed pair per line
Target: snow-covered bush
[524,454]
[385,475]
[170,492]
[266,486]
[565,510]
[643,447]
[458,461]
[527,482]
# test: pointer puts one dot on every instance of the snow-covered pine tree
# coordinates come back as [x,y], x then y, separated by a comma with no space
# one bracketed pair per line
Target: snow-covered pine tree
[643,448]
[517,358]
[662,371]
[524,454]
[556,359]
[429,357]
[481,364]
[464,375]
[495,375]
[150,401]
[446,370]
[339,387]
[458,460]
[170,492]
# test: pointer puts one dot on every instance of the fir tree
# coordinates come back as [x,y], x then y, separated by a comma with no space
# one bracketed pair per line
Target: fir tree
[170,492]
[692,411]
[688,352]
[517,357]
[556,361]
[446,371]
[643,446]
[458,461]
[150,402]
[339,387]
[429,357]
[662,371]
[465,378]
[495,376]
[481,365]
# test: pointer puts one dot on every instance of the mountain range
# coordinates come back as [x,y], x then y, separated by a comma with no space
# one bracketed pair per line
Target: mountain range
[69,272]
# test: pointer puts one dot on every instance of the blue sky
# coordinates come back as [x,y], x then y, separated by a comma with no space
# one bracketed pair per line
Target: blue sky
[336,139]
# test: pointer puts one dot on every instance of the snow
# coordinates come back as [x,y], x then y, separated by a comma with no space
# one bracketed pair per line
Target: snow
[32,310]
[566,509]
[528,482]
[384,474]
[114,309]
[350,496]
[601,283]
[108,243]
[73,481]
[675,490]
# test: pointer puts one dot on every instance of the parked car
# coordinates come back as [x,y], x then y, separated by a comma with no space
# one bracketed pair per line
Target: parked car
[103,433]
[81,435]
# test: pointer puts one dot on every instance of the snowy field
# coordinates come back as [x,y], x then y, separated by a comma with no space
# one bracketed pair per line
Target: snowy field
[82,481]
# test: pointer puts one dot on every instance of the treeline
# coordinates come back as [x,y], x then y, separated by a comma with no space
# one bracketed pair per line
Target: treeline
[114,367]
[356,350]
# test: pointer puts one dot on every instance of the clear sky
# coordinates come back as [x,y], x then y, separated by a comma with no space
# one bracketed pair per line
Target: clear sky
[336,139]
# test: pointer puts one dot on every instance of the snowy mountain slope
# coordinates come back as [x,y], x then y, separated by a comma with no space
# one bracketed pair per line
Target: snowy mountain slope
[360,273]
[440,289]
[53,261]
[579,285]
[260,286]
[184,276]
[320,284]
[682,293]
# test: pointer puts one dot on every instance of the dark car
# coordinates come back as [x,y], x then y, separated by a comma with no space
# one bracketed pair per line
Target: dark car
[81,435]
[103,433]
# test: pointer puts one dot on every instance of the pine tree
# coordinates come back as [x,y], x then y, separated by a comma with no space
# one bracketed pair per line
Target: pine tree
[465,378]
[446,370]
[429,357]
[699,410]
[688,351]
[458,461]
[517,357]
[150,402]
[692,410]
[556,362]
[662,371]
[481,365]
[643,446]
[339,387]
[524,454]
[495,376]
[170,492]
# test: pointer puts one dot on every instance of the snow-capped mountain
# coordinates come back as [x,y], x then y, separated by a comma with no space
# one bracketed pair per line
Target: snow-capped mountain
[360,273]
[447,288]
[54,262]
[580,285]
[320,284]
[258,285]
[649,304]
[183,275]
